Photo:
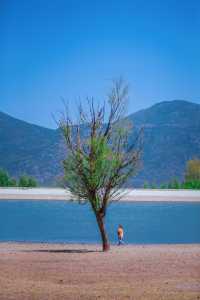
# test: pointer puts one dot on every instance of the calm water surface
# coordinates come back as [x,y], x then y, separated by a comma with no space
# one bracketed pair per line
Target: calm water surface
[60,221]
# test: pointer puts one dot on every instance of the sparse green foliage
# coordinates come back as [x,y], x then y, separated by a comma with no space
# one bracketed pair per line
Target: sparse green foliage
[100,162]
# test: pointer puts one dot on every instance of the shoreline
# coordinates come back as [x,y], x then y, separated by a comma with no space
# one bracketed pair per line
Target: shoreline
[24,244]
[128,195]
[12,246]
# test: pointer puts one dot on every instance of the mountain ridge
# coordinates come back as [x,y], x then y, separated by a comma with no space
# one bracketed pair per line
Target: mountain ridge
[171,137]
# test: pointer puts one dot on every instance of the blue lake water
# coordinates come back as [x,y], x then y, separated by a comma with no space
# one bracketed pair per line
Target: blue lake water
[64,222]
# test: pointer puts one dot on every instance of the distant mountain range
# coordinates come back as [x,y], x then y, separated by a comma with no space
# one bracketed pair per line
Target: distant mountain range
[171,137]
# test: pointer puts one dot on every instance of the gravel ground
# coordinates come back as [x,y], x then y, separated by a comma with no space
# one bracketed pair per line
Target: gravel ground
[55,271]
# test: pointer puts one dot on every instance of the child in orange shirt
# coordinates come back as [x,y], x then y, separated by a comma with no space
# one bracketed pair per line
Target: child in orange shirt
[120,234]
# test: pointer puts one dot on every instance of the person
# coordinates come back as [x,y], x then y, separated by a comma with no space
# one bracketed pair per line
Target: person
[120,233]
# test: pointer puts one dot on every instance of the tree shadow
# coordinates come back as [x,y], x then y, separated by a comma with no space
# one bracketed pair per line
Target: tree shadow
[62,251]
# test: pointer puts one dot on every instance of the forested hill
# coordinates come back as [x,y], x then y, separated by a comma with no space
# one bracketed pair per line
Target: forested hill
[171,137]
[29,149]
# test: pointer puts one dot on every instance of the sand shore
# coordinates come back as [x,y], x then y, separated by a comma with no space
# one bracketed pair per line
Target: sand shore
[128,194]
[46,271]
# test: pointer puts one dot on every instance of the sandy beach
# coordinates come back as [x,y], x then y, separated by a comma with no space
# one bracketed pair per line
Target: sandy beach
[127,194]
[50,271]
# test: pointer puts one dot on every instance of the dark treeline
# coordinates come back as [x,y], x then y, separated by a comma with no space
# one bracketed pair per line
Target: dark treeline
[175,184]
[191,180]
[23,181]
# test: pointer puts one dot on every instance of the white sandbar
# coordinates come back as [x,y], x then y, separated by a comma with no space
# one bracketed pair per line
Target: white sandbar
[127,194]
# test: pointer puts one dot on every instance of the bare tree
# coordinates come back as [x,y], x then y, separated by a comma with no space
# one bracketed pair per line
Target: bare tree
[99,157]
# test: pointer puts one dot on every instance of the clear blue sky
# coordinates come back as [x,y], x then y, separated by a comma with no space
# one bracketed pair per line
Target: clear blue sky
[72,49]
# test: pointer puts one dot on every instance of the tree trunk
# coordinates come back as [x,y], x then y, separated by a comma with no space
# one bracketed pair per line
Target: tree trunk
[105,242]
